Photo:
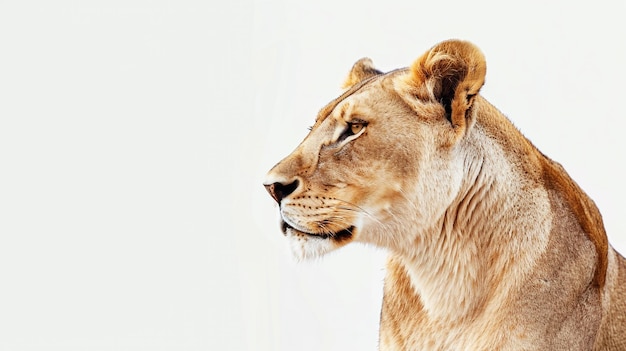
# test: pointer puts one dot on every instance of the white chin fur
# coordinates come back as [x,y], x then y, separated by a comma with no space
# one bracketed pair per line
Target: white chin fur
[306,247]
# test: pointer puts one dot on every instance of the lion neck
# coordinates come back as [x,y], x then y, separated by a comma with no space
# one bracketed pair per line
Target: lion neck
[453,265]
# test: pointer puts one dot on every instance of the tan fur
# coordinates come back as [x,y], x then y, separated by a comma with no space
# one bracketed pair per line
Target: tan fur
[361,70]
[492,245]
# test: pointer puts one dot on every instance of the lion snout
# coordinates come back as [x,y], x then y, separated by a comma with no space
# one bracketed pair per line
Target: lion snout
[279,190]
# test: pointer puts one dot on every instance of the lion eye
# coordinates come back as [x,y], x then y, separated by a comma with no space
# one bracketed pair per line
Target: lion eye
[355,128]
[352,131]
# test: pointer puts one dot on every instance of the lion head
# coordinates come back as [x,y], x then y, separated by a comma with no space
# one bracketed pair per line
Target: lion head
[381,162]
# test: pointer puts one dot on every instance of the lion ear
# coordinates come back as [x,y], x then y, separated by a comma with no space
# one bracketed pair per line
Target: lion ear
[452,73]
[361,70]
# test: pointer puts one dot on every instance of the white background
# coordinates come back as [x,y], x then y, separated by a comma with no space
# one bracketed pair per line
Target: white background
[134,137]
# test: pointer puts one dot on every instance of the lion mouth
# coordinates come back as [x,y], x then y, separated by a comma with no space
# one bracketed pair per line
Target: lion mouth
[336,236]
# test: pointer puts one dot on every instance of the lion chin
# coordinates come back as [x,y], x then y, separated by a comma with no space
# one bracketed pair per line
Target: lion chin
[307,245]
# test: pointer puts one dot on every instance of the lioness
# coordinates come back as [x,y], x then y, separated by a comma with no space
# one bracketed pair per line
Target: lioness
[492,245]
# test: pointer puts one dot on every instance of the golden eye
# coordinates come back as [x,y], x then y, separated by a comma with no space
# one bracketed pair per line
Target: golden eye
[352,129]
[355,128]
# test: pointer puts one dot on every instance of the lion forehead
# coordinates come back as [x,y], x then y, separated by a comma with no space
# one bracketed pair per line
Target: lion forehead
[362,99]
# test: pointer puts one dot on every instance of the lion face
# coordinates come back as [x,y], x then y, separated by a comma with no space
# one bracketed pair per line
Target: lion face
[379,157]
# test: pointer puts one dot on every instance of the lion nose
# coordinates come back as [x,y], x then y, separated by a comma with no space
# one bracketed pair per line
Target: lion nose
[278,191]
